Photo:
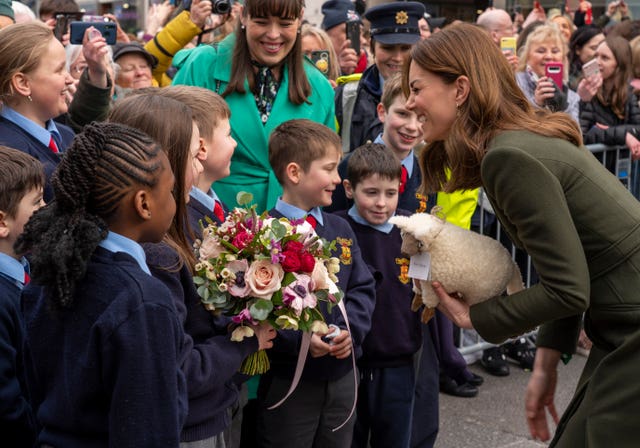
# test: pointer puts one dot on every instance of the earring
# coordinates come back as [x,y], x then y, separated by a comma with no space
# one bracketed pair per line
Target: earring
[242,27]
[299,30]
[29,98]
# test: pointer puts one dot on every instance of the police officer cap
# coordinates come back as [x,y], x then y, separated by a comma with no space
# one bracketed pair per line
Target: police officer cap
[337,12]
[395,23]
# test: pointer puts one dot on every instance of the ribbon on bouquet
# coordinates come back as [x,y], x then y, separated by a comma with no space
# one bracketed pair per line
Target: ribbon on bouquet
[302,357]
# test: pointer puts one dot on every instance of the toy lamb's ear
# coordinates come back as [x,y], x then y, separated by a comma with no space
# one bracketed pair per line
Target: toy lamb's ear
[438,213]
[401,222]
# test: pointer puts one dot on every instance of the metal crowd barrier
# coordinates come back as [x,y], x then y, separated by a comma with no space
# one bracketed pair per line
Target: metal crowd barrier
[617,159]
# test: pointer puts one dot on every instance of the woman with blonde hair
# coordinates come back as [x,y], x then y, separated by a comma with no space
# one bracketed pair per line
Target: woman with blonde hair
[545,45]
[574,218]
[314,39]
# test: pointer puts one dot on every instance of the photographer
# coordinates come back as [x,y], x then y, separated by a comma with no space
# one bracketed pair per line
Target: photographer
[544,45]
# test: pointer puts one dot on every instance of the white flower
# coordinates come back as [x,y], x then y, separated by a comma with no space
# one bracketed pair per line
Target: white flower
[241,332]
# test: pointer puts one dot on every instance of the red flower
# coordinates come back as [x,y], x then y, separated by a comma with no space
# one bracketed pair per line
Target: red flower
[242,239]
[291,262]
[307,262]
[294,246]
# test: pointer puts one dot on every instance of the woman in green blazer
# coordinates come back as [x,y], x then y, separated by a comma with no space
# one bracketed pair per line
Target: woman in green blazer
[576,220]
[262,74]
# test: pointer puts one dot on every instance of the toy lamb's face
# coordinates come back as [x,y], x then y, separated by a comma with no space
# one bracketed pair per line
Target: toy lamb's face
[418,231]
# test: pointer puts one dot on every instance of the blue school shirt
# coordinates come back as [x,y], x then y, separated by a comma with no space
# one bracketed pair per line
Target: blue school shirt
[114,242]
[385,227]
[14,269]
[293,212]
[207,199]
[407,162]
[38,132]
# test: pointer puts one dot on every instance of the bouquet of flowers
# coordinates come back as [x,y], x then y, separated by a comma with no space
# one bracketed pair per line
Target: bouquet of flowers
[257,268]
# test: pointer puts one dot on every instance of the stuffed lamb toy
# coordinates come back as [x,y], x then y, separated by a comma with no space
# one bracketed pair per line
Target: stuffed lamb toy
[474,266]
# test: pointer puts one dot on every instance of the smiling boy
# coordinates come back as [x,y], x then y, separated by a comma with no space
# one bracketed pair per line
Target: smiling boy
[21,188]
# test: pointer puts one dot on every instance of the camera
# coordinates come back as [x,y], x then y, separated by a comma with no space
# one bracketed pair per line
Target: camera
[221,6]
[217,6]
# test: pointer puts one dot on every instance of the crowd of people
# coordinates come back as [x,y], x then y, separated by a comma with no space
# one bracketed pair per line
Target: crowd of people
[112,156]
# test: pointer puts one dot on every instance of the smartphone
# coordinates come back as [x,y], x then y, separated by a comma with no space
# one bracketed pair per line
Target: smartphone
[353,34]
[508,44]
[107,29]
[63,19]
[590,68]
[554,70]
[320,59]
[95,19]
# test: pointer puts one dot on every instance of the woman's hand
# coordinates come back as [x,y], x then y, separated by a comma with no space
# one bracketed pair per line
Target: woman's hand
[157,16]
[347,58]
[588,87]
[265,334]
[545,90]
[633,144]
[584,6]
[94,49]
[540,393]
[455,309]
[200,12]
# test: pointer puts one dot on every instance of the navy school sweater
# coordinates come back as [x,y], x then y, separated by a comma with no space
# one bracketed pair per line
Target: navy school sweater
[357,283]
[17,423]
[396,332]
[106,371]
[14,136]
[410,199]
[196,212]
[210,357]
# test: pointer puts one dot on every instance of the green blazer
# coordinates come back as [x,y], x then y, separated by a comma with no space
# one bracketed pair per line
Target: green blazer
[582,230]
[210,67]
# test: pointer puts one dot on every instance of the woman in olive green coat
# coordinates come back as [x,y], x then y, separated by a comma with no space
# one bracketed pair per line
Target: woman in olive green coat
[576,220]
[262,74]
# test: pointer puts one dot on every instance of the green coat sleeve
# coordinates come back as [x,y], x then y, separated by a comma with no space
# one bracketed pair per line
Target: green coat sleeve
[530,202]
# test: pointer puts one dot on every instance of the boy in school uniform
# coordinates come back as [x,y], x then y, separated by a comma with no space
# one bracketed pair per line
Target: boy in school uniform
[324,396]
[387,371]
[21,187]
[211,114]
[401,132]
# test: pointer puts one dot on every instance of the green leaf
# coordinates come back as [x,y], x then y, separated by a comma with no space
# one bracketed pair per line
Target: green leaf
[288,279]
[198,280]
[244,198]
[260,309]
[278,230]
[203,292]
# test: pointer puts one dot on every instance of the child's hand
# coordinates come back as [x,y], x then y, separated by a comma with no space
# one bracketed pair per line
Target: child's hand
[265,334]
[318,347]
[341,345]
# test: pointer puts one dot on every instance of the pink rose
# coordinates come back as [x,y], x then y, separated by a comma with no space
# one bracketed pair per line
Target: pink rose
[307,262]
[319,277]
[264,278]
[210,248]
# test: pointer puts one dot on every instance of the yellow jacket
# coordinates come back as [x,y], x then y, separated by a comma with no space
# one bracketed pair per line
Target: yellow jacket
[168,41]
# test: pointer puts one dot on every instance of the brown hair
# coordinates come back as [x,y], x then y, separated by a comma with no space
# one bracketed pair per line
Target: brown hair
[300,141]
[53,6]
[616,92]
[170,124]
[207,107]
[241,66]
[22,47]
[391,89]
[21,173]
[495,103]
[370,159]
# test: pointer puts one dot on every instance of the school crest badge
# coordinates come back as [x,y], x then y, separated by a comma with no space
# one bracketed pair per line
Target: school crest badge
[403,263]
[345,250]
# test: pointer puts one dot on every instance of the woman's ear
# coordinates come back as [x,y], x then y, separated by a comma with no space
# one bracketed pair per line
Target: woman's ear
[463,87]
[20,84]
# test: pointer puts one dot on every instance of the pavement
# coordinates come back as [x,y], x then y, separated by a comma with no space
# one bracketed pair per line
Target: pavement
[495,418]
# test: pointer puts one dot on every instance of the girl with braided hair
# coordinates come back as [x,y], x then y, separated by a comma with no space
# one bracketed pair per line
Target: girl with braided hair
[102,341]
[211,358]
